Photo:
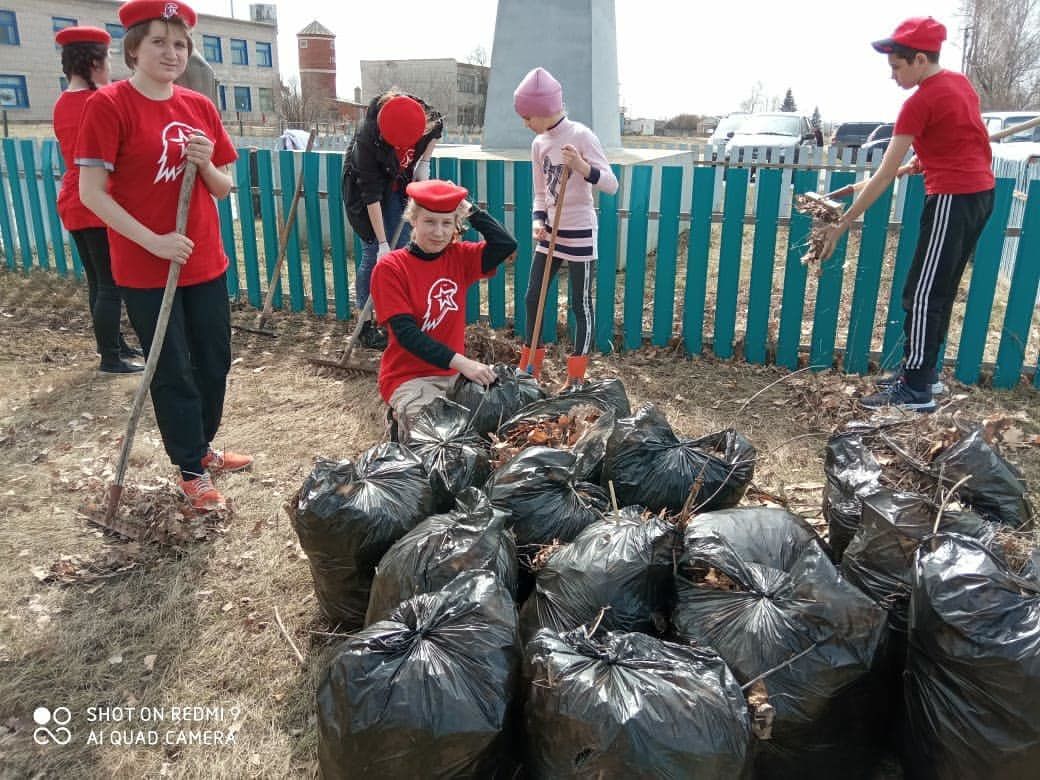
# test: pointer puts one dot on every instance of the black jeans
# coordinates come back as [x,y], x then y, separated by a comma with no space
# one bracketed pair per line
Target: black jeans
[950,229]
[102,293]
[191,378]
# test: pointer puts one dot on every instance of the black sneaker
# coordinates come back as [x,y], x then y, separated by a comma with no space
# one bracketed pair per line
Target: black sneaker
[372,337]
[120,367]
[937,386]
[126,352]
[900,395]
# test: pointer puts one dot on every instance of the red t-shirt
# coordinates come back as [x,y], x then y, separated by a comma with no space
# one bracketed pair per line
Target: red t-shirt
[68,116]
[432,291]
[945,118]
[141,142]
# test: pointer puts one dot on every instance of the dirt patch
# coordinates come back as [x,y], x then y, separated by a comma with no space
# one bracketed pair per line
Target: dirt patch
[90,622]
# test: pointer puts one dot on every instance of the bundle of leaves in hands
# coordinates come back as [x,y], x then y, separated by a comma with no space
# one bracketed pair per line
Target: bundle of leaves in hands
[490,406]
[347,515]
[473,536]
[455,457]
[427,692]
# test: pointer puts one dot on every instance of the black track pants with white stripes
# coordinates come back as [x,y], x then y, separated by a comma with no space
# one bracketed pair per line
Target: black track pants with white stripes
[580,276]
[950,228]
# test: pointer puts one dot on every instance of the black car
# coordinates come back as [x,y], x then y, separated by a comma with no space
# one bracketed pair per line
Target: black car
[852,134]
[878,140]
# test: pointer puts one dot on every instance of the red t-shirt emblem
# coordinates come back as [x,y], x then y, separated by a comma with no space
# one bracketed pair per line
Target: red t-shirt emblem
[439,301]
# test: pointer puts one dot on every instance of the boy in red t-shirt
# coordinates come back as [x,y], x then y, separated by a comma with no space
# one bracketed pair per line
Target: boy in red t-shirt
[420,293]
[943,122]
[137,137]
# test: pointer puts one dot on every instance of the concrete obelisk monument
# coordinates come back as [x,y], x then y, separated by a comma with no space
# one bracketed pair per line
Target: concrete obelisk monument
[576,41]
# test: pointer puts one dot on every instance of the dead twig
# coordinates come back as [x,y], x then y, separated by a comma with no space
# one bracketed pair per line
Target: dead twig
[778,667]
[946,499]
[767,387]
[292,644]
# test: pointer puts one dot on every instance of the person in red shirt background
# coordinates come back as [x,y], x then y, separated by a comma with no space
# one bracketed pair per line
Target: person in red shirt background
[420,293]
[137,137]
[85,63]
[943,122]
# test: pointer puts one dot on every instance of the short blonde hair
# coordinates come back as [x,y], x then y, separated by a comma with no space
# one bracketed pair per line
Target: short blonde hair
[138,32]
[411,214]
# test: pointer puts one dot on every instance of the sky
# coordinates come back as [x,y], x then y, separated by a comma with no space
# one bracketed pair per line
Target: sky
[674,56]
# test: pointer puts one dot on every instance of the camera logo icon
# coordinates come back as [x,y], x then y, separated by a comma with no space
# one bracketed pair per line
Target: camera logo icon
[43,735]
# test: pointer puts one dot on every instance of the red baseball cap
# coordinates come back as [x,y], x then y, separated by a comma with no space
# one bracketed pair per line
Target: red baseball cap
[68,35]
[401,121]
[922,33]
[137,11]
[436,195]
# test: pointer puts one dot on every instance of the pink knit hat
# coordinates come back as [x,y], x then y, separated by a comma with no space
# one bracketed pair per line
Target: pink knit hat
[539,94]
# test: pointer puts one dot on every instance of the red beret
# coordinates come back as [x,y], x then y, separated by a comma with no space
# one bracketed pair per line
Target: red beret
[922,33]
[68,35]
[435,195]
[401,122]
[137,11]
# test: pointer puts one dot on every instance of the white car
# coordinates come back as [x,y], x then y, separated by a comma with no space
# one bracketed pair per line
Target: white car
[1024,146]
[773,137]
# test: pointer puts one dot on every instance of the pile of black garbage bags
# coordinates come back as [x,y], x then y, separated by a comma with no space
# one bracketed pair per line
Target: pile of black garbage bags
[608,609]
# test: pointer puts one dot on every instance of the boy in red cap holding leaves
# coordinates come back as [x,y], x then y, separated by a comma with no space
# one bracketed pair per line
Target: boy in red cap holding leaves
[391,148]
[137,137]
[562,142]
[943,121]
[420,292]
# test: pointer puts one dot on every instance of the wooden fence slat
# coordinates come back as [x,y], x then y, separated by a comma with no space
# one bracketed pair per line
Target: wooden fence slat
[6,229]
[496,200]
[227,240]
[522,206]
[468,180]
[247,231]
[697,248]
[635,256]
[913,206]
[32,193]
[735,203]
[269,220]
[985,269]
[77,263]
[867,284]
[767,211]
[828,293]
[337,234]
[14,181]
[606,266]
[293,261]
[1021,302]
[792,307]
[48,151]
[667,249]
[315,250]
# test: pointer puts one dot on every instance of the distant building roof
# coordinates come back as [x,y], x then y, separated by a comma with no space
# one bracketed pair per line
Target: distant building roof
[316,28]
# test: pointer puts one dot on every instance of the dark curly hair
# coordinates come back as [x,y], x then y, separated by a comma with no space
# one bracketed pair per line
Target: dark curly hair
[80,59]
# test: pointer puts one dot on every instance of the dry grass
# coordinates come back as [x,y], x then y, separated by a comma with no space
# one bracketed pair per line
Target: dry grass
[206,611]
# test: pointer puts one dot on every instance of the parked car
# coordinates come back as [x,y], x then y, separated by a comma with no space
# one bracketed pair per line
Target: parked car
[727,126]
[878,139]
[1021,147]
[852,134]
[774,136]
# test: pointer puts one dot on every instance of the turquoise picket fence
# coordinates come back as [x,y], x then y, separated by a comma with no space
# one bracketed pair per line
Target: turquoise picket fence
[702,255]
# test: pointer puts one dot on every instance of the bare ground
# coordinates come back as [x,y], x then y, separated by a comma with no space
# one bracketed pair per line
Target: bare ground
[192,623]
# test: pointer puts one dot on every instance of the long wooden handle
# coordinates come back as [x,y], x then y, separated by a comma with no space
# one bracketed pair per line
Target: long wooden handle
[283,238]
[183,202]
[537,332]
[1015,129]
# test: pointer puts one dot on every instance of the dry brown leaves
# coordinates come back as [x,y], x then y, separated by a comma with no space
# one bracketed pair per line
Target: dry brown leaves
[113,561]
[822,401]
[560,432]
[823,215]
[711,578]
[1016,547]
[487,346]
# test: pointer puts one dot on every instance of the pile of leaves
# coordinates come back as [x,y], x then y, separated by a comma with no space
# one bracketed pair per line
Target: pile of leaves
[487,346]
[559,432]
[113,561]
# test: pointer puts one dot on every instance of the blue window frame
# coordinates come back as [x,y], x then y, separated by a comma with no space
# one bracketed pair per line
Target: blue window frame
[63,83]
[13,92]
[9,29]
[211,48]
[239,52]
[263,55]
[223,97]
[117,31]
[243,100]
[61,22]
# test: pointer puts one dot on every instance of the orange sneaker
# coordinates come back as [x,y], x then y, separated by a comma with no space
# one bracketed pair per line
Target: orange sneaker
[221,461]
[201,494]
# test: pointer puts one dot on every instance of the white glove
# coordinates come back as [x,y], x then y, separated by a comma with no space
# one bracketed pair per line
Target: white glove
[384,249]
[422,170]
[537,229]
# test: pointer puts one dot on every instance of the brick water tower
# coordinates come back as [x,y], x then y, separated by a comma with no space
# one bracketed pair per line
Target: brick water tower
[317,49]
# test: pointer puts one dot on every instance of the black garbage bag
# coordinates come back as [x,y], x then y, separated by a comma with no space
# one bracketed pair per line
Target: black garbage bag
[586,434]
[996,489]
[348,515]
[973,665]
[604,394]
[622,563]
[757,585]
[437,550]
[428,691]
[454,456]
[545,497]
[491,406]
[631,706]
[880,559]
[851,472]
[649,465]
